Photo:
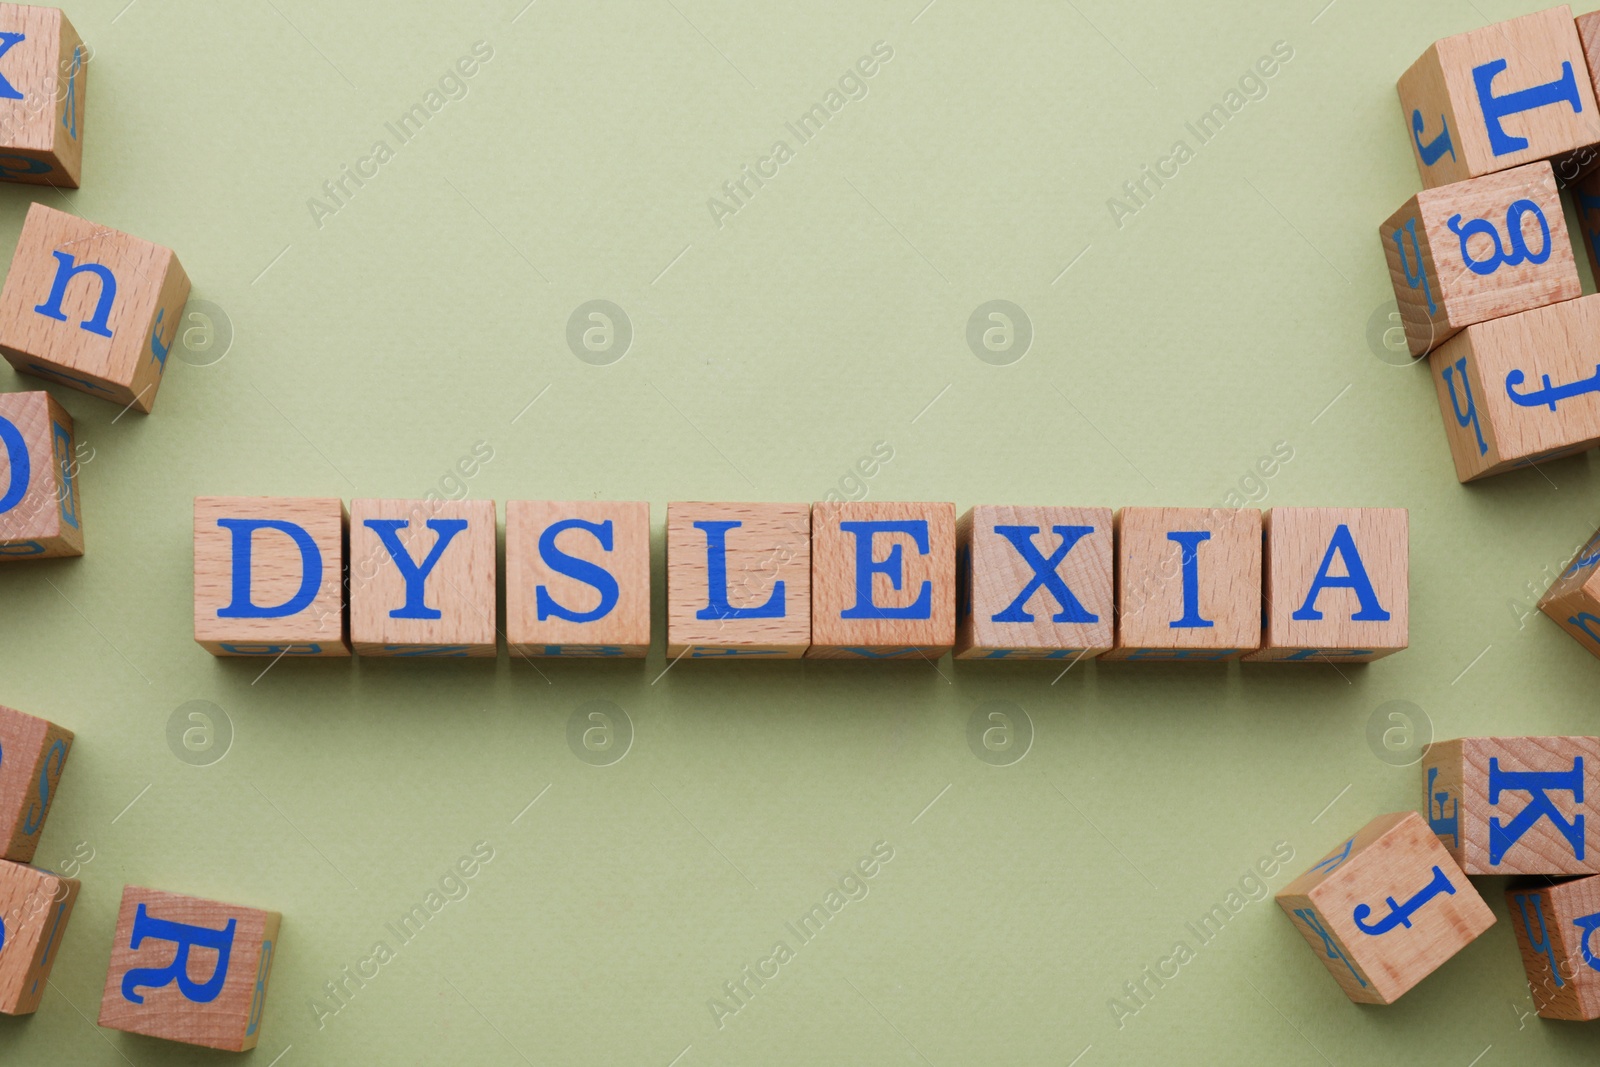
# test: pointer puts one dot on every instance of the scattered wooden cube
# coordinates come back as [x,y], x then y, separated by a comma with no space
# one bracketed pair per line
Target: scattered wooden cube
[1510,254]
[1033,583]
[1555,927]
[422,578]
[44,84]
[882,580]
[1500,96]
[1337,584]
[578,578]
[40,513]
[1586,197]
[269,575]
[35,907]
[1522,389]
[1188,583]
[189,970]
[738,580]
[32,753]
[1573,599]
[1385,909]
[1516,805]
[90,307]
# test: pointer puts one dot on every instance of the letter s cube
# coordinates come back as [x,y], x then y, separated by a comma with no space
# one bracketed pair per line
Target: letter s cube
[578,578]
[35,907]
[1555,927]
[44,72]
[32,753]
[40,513]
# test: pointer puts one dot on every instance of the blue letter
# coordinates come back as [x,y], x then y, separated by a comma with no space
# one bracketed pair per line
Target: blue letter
[35,819]
[717,606]
[1495,108]
[1189,541]
[1420,275]
[917,530]
[1470,416]
[21,466]
[1534,783]
[1309,917]
[1588,924]
[579,569]
[1400,914]
[310,569]
[1355,577]
[185,937]
[1435,149]
[1045,574]
[416,577]
[8,41]
[1440,823]
[65,269]
[69,111]
[1542,942]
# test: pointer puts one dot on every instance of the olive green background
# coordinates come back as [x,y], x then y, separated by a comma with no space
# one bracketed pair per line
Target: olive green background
[1245,305]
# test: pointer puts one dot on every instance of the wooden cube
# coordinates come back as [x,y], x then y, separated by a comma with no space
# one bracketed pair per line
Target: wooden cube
[189,970]
[1337,584]
[1555,927]
[422,578]
[91,308]
[883,579]
[40,512]
[578,578]
[1033,583]
[1476,251]
[738,580]
[35,907]
[1586,197]
[1498,97]
[1522,389]
[1188,583]
[1573,599]
[269,576]
[1385,909]
[32,753]
[44,84]
[1516,805]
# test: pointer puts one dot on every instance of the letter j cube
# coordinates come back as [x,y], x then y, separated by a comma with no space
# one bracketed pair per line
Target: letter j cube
[1385,909]
[1556,929]
[189,970]
[883,579]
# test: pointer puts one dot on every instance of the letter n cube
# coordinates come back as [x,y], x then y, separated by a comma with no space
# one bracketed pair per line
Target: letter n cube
[1385,909]
[40,514]
[44,81]
[422,578]
[32,753]
[90,307]
[578,578]
[883,579]
[738,580]
[1516,805]
[35,907]
[1573,599]
[189,970]
[1555,927]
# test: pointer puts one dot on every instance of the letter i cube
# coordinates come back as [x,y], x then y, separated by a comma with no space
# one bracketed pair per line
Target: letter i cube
[1337,584]
[1555,927]
[578,578]
[90,307]
[883,579]
[1515,805]
[1498,97]
[32,753]
[1573,599]
[269,576]
[189,970]
[1385,909]
[738,580]
[422,578]
[35,907]
[40,513]
[44,81]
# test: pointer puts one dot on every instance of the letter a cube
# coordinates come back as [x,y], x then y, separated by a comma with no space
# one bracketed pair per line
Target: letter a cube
[1515,805]
[35,907]
[1337,585]
[91,308]
[32,753]
[1573,599]
[883,579]
[1384,909]
[1476,251]
[1499,97]
[40,514]
[1555,927]
[44,81]
[578,578]
[422,578]
[738,580]
[269,576]
[189,970]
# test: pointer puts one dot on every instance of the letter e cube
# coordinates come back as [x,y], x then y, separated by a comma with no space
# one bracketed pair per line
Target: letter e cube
[883,580]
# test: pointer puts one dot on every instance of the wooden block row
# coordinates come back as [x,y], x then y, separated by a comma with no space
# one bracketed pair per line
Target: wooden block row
[41,515]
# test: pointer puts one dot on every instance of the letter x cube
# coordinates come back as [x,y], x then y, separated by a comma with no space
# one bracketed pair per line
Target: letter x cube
[1555,927]
[40,513]
[1573,599]
[44,82]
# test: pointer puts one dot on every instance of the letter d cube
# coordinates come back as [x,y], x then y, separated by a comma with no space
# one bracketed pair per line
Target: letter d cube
[32,753]
[40,514]
[35,907]
[1555,927]
[1385,909]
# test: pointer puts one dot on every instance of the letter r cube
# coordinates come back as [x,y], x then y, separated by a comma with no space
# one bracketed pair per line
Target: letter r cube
[1556,929]
[35,907]
[41,514]
[44,82]
[32,754]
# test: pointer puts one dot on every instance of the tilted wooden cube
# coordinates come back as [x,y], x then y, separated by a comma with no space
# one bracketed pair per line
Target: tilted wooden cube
[1336,585]
[1586,197]
[1573,599]
[738,580]
[32,753]
[1555,927]
[883,579]
[189,970]
[35,907]
[1384,909]
[1499,96]
[40,512]
[91,308]
[578,578]
[44,85]
[1516,805]
[1476,251]
[422,578]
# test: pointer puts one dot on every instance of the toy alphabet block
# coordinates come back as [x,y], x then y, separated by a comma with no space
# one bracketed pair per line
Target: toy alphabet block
[269,576]
[1573,599]
[422,577]
[1033,583]
[1512,253]
[44,85]
[40,513]
[189,970]
[1522,389]
[1555,927]
[738,580]
[35,907]
[1337,584]
[578,578]
[32,753]
[1499,97]
[1385,909]
[883,579]
[1188,583]
[90,307]
[1586,196]
[1515,805]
